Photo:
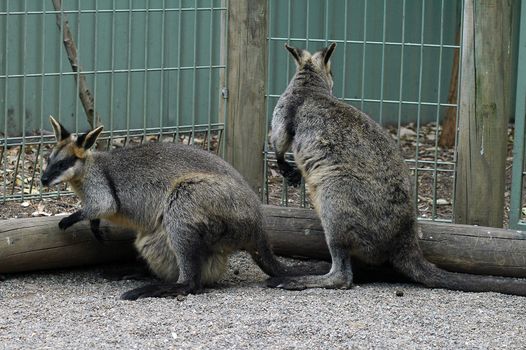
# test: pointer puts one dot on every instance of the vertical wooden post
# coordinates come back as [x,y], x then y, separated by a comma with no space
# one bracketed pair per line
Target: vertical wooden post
[485,107]
[247,75]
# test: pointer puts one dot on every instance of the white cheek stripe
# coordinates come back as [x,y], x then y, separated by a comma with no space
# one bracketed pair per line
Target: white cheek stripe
[64,177]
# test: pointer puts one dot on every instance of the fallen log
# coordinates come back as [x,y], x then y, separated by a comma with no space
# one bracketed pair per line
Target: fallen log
[38,244]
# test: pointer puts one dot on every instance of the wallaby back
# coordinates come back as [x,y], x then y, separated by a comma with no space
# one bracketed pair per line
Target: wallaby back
[190,208]
[358,183]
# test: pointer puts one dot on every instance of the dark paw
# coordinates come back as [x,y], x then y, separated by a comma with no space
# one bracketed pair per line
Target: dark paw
[98,234]
[293,178]
[158,291]
[64,223]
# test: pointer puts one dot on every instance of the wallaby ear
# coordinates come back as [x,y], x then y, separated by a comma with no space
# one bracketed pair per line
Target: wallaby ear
[87,140]
[60,132]
[296,53]
[327,52]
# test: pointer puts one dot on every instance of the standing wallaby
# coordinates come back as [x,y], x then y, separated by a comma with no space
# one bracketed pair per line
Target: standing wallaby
[190,208]
[358,183]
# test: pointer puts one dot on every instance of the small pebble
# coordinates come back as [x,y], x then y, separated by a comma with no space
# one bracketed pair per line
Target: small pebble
[399,293]
[236,272]
[181,298]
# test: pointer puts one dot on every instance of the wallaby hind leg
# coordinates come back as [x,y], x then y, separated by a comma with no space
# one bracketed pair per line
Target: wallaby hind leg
[339,277]
[191,252]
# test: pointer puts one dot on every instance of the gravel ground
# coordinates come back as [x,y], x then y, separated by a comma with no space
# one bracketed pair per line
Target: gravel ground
[78,309]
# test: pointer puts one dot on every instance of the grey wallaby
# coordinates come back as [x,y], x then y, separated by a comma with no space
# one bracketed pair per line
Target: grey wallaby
[190,208]
[358,183]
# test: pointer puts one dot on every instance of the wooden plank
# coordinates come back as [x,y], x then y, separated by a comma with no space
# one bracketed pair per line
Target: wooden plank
[247,75]
[38,244]
[485,101]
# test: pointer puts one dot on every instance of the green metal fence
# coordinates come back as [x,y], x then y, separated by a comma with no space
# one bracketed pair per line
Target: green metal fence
[518,203]
[154,68]
[393,60]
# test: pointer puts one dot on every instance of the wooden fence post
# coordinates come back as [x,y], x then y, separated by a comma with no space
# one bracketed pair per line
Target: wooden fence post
[247,75]
[485,107]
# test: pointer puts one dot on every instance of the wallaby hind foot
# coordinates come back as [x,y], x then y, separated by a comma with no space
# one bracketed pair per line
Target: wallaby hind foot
[328,281]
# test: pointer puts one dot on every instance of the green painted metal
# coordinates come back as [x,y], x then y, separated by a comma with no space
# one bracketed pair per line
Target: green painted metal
[376,34]
[127,49]
[393,60]
[154,69]
[517,218]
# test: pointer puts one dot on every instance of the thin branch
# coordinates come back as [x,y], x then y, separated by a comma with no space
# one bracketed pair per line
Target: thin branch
[85,95]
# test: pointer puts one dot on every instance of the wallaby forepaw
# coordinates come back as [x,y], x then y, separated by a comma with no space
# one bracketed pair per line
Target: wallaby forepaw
[291,174]
[293,177]
[98,234]
[64,223]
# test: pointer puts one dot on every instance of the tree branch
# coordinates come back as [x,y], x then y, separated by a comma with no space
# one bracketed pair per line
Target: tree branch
[85,95]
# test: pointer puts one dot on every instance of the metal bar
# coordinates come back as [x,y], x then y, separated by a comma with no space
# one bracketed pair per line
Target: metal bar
[266,148]
[518,145]
[364,52]
[345,24]
[423,103]
[112,77]
[437,119]
[77,75]
[145,85]
[211,57]
[24,106]
[401,86]
[128,77]
[152,10]
[368,42]
[40,159]
[178,93]
[225,78]
[108,71]
[382,74]
[419,109]
[6,86]
[161,78]
[460,54]
[194,83]
[95,55]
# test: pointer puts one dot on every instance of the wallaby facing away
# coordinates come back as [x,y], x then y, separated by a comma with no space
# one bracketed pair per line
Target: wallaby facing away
[358,183]
[190,208]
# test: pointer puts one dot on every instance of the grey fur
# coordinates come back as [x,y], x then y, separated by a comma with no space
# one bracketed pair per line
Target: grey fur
[358,183]
[191,209]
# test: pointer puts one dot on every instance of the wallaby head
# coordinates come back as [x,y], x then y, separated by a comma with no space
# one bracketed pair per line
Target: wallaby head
[318,62]
[66,161]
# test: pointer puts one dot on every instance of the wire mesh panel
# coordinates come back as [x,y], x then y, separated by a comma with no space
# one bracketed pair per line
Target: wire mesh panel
[518,192]
[153,68]
[395,60]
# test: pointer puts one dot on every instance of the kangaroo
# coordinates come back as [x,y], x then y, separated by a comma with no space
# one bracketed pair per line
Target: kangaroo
[190,208]
[358,183]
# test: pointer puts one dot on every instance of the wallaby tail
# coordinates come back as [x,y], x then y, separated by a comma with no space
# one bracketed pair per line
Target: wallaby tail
[267,261]
[413,264]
